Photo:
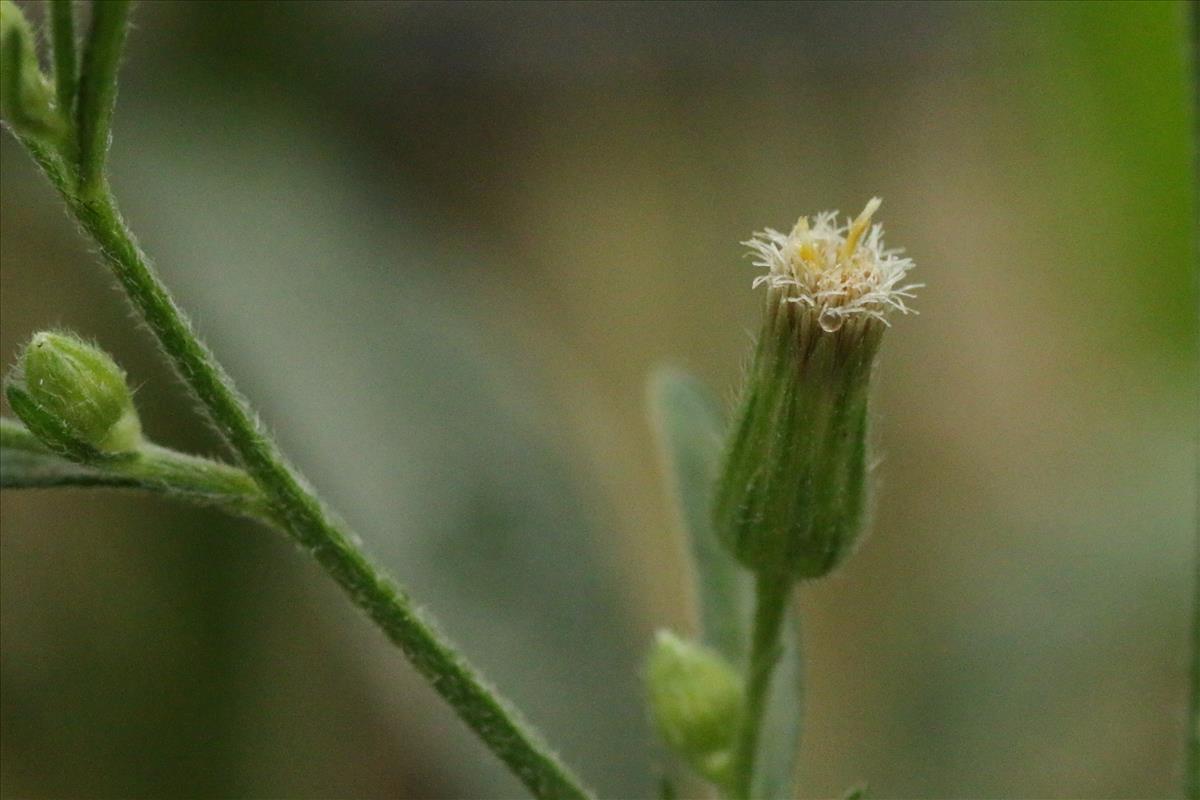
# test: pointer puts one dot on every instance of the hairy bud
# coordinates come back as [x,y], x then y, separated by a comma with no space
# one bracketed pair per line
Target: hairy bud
[696,699]
[26,96]
[74,397]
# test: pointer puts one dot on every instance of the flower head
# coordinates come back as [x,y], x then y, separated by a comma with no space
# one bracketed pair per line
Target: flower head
[838,272]
[794,489]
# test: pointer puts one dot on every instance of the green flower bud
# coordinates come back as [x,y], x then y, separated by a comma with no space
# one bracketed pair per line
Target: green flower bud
[791,498]
[696,700]
[74,397]
[26,95]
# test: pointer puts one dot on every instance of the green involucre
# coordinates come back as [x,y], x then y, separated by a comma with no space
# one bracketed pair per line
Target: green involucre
[792,492]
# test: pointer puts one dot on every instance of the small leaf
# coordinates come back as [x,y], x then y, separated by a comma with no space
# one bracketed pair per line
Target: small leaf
[690,429]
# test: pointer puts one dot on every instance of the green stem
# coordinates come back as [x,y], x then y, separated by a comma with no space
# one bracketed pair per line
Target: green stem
[66,68]
[30,464]
[200,478]
[301,514]
[98,90]
[293,505]
[771,595]
[304,517]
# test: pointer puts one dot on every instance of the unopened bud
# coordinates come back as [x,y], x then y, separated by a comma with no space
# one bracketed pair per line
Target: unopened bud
[792,493]
[74,397]
[696,698]
[26,96]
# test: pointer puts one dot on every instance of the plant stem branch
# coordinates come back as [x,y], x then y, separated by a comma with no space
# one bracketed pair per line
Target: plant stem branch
[98,90]
[771,595]
[300,513]
[79,176]
[200,478]
[66,61]
[30,464]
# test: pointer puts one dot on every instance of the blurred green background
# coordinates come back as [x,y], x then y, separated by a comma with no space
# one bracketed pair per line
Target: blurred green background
[441,246]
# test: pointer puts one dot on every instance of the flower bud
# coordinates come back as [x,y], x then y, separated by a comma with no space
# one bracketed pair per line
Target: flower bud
[26,96]
[696,699]
[792,493]
[74,397]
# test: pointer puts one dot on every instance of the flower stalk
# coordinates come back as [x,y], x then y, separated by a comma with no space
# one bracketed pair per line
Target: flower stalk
[30,464]
[772,594]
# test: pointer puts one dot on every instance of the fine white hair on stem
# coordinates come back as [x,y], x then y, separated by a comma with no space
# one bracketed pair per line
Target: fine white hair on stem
[837,271]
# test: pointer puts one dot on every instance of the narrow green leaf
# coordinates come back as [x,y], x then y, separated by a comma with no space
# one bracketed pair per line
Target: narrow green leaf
[690,430]
[98,88]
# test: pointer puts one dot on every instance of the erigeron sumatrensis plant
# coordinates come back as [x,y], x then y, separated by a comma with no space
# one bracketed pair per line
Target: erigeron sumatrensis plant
[782,501]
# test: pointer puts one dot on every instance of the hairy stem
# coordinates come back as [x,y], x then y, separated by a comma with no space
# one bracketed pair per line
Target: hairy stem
[30,464]
[771,593]
[78,173]
[201,478]
[98,90]
[66,67]
[301,514]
